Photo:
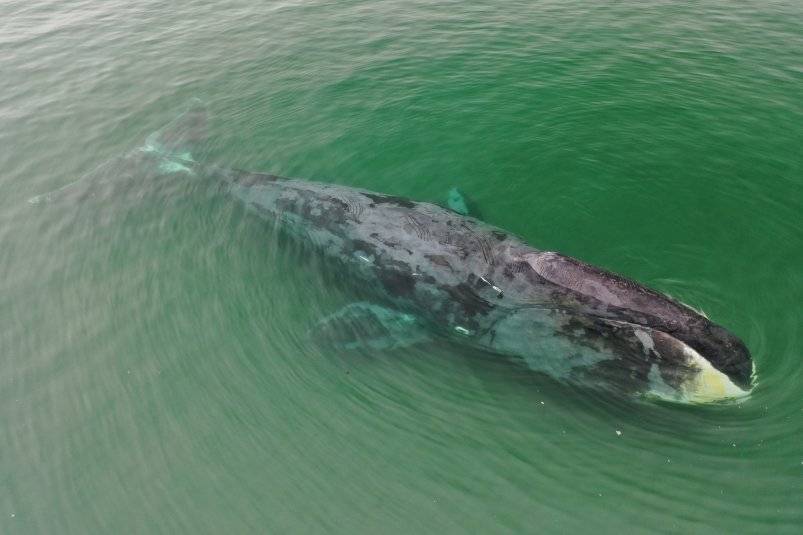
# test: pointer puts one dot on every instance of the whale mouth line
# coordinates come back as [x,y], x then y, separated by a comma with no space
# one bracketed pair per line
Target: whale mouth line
[704,384]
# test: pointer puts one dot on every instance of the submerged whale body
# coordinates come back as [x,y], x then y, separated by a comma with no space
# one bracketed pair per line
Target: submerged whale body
[432,270]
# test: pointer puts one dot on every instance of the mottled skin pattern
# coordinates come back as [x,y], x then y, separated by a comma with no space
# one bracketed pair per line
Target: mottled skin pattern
[484,287]
[461,277]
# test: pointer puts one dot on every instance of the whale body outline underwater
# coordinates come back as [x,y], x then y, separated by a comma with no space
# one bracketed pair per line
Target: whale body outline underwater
[434,270]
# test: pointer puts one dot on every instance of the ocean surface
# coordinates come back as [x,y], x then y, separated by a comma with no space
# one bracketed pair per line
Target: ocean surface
[156,372]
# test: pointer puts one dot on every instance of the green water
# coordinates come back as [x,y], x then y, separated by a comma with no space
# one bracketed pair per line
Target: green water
[155,370]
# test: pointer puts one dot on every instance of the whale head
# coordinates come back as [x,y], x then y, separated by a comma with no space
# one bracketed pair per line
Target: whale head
[698,363]
[612,331]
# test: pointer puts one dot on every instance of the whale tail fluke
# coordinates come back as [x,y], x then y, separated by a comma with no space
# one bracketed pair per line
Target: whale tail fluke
[181,138]
[174,148]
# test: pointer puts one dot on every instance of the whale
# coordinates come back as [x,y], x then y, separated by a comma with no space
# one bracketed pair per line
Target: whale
[429,270]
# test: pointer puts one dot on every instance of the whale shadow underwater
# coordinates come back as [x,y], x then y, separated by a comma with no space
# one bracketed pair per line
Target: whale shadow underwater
[428,270]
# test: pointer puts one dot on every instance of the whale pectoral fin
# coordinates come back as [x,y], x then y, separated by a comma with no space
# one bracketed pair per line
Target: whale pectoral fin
[365,325]
[458,202]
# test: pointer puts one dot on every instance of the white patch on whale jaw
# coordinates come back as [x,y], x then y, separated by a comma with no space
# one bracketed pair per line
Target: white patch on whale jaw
[707,385]
[647,343]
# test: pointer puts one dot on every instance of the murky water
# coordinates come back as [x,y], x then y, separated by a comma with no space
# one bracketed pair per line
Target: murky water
[156,373]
